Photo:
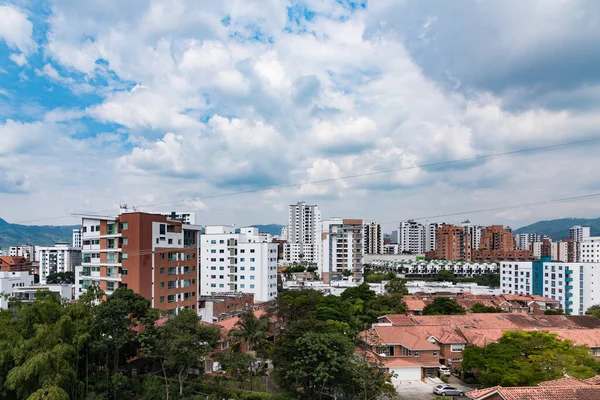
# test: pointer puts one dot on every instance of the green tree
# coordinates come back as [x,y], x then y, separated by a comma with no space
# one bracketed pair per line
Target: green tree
[445,275]
[443,306]
[61,278]
[183,343]
[362,292]
[294,305]
[396,286]
[250,331]
[594,310]
[554,312]
[527,358]
[236,365]
[333,308]
[479,308]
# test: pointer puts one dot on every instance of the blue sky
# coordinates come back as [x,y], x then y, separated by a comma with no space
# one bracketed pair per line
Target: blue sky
[154,101]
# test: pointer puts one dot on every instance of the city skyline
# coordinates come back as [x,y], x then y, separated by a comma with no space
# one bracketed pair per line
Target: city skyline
[215,99]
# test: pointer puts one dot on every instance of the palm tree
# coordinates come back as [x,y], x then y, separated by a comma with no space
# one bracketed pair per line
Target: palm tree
[250,330]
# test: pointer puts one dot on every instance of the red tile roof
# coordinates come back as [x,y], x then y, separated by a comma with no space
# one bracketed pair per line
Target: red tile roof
[568,381]
[588,337]
[558,389]
[399,362]
[397,335]
[397,319]
[593,381]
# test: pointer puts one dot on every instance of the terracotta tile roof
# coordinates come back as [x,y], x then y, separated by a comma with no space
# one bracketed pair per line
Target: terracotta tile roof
[399,362]
[569,381]
[398,319]
[397,335]
[441,333]
[479,393]
[510,321]
[588,337]
[414,303]
[551,393]
[593,381]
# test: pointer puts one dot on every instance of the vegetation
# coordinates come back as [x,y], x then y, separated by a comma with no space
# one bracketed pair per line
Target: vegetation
[372,276]
[480,308]
[594,310]
[554,312]
[528,358]
[444,306]
[61,278]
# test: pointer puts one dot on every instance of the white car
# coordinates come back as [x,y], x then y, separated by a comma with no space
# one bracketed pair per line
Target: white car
[444,370]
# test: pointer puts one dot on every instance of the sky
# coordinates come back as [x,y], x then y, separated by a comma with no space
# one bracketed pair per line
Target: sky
[169,104]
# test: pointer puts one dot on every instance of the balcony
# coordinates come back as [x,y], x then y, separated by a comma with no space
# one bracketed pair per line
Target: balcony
[568,280]
[569,295]
[569,303]
[569,287]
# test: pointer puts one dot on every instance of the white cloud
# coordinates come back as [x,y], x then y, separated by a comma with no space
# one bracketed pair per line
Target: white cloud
[16,30]
[18,58]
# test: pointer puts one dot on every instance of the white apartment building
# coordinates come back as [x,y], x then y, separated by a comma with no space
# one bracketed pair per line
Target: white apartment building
[244,262]
[188,218]
[25,250]
[589,250]
[341,249]
[284,233]
[412,237]
[373,238]
[303,222]
[428,269]
[58,258]
[574,285]
[77,238]
[579,233]
[10,281]
[523,240]
[430,235]
[390,248]
[474,232]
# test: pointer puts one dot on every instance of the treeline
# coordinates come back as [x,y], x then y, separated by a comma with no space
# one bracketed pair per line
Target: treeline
[115,349]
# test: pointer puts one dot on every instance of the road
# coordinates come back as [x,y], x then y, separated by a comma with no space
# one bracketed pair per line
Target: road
[424,391]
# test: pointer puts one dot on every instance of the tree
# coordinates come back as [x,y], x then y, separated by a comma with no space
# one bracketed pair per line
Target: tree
[396,286]
[445,275]
[443,306]
[554,312]
[294,305]
[527,358]
[362,292]
[61,278]
[236,365]
[250,331]
[183,343]
[479,308]
[594,310]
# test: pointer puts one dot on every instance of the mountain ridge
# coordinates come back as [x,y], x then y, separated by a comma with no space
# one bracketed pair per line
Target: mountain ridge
[559,228]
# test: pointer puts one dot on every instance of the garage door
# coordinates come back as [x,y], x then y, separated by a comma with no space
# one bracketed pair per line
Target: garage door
[406,373]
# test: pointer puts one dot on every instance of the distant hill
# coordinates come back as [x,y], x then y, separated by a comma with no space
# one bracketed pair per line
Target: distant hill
[272,229]
[559,228]
[47,235]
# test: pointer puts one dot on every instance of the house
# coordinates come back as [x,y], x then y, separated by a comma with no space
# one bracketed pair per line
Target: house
[564,389]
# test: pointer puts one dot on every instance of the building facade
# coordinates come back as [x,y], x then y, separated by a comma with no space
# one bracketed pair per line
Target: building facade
[148,253]
[579,233]
[572,284]
[77,238]
[497,237]
[25,250]
[15,272]
[188,218]
[341,249]
[412,236]
[373,238]
[58,258]
[453,243]
[244,262]
[523,240]
[303,223]
[589,250]
[475,232]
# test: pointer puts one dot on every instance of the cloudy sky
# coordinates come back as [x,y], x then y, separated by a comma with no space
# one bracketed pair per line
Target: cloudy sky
[148,102]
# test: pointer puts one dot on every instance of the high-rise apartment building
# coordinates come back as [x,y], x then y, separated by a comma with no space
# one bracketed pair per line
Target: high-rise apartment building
[25,250]
[497,237]
[430,236]
[77,238]
[412,237]
[474,231]
[523,240]
[147,253]
[243,262]
[572,284]
[589,250]
[303,223]
[15,272]
[341,249]
[373,238]
[579,233]
[453,243]
[188,218]
[58,258]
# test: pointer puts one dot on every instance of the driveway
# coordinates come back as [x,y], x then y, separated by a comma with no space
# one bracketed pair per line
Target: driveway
[419,390]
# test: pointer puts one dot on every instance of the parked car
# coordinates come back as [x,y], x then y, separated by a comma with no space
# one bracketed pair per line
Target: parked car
[447,390]
[444,370]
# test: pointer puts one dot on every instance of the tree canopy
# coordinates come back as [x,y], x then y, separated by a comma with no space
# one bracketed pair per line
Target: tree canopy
[443,306]
[480,308]
[528,358]
[61,278]
[594,310]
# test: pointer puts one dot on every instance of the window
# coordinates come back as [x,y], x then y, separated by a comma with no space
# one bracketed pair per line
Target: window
[252,259]
[213,242]
[251,250]
[125,241]
[456,348]
[222,251]
[242,251]
[242,268]
[170,241]
[172,284]
[124,256]
[173,271]
[162,299]
[416,354]
[251,277]
[387,350]
[162,270]
[213,250]
[213,285]
[242,259]
[213,277]
[213,268]
[252,286]
[163,229]
[405,352]
[171,298]
[123,271]
[252,268]
[162,285]
[110,286]
[221,268]
[242,277]
[242,286]
[124,226]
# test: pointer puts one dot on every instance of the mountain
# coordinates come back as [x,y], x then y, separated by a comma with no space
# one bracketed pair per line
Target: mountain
[47,235]
[559,228]
[272,229]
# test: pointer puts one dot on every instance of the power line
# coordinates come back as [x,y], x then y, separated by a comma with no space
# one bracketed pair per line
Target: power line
[328,180]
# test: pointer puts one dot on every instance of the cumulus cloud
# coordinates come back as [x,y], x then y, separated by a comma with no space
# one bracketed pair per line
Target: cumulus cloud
[16,30]
[236,95]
